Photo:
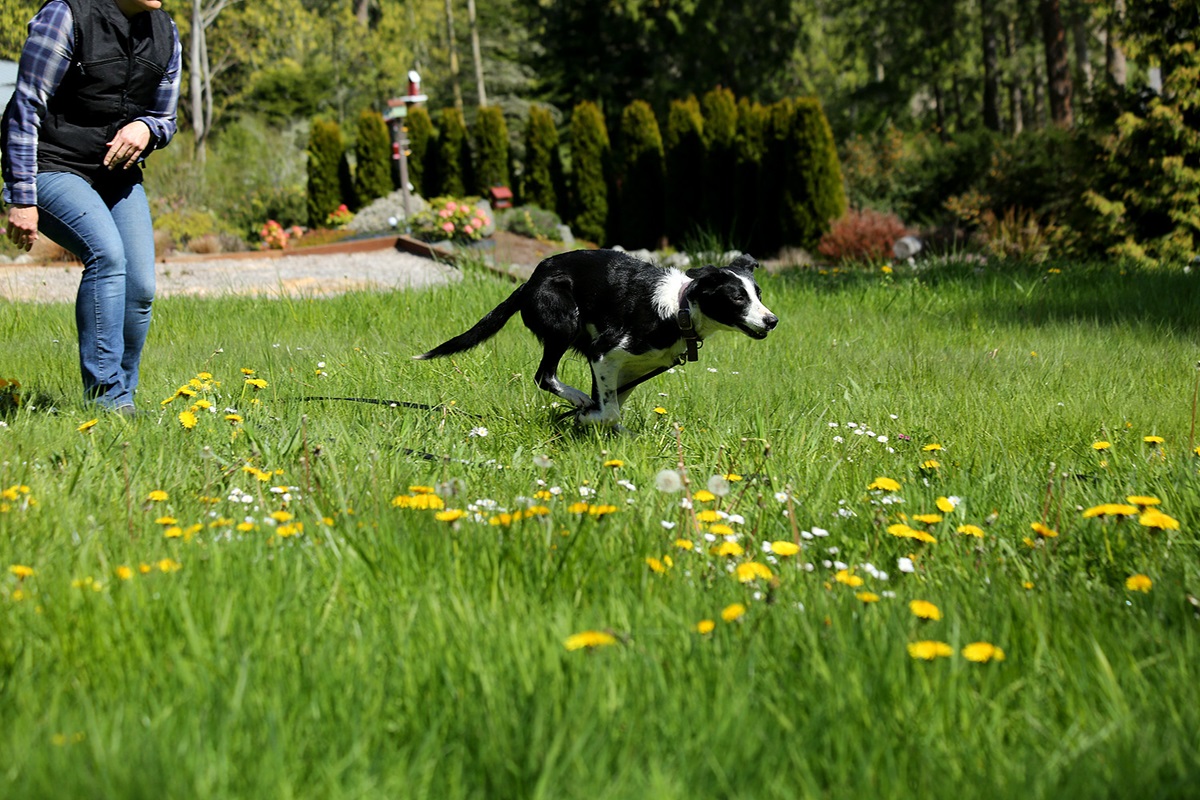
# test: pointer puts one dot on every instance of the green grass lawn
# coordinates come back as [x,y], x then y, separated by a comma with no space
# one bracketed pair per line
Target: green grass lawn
[295,616]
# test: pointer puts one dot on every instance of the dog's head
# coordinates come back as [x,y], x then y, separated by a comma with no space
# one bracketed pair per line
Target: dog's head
[729,297]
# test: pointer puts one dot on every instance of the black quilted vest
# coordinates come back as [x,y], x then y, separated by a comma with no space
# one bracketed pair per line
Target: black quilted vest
[115,69]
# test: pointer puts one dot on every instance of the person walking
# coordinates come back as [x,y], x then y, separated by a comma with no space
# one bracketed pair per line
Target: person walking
[97,89]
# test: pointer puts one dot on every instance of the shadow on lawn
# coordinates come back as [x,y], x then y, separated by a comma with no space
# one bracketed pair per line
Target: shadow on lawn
[1030,294]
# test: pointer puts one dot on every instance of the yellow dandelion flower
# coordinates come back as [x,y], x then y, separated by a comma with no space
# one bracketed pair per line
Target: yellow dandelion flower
[1027,585]
[945,505]
[656,565]
[537,511]
[659,410]
[1142,500]
[728,549]
[884,484]
[1043,530]
[614,463]
[982,652]
[247,371]
[849,578]
[1111,510]
[931,464]
[1138,583]
[173,532]
[705,626]
[704,496]
[925,610]
[784,548]
[157,496]
[733,477]
[928,519]
[187,419]
[1153,518]
[282,516]
[124,573]
[542,494]
[971,530]
[1154,440]
[87,426]
[601,510]
[707,515]
[867,597]
[928,650]
[720,529]
[922,536]
[245,527]
[233,419]
[886,269]
[22,571]
[578,508]
[752,571]
[166,520]
[169,565]
[589,640]
[450,515]
[932,447]
[733,612]
[685,544]
[504,519]
[1101,445]
[901,530]
[420,490]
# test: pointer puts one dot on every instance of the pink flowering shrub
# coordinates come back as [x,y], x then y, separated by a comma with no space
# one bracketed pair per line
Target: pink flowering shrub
[276,237]
[450,218]
[340,217]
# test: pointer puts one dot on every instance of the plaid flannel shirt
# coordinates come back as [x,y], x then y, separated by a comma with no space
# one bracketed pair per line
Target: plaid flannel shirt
[44,61]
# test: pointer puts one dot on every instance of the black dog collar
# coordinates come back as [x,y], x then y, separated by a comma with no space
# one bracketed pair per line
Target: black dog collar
[684,319]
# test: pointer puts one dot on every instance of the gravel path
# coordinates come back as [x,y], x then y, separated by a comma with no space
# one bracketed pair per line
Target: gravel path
[292,275]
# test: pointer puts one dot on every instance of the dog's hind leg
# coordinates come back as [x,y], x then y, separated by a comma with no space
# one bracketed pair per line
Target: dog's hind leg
[547,377]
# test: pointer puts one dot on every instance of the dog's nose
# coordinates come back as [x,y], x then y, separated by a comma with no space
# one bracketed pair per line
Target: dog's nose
[770,321]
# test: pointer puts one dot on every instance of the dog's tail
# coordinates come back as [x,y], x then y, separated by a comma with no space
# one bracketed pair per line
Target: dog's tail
[481,331]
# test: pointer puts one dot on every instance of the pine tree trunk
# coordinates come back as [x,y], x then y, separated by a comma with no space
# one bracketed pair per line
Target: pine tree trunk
[475,52]
[452,45]
[1016,95]
[1058,66]
[991,66]
[1114,54]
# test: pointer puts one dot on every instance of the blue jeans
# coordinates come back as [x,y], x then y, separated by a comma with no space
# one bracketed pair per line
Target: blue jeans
[111,232]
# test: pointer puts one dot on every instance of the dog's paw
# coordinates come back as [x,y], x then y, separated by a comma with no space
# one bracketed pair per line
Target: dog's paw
[595,416]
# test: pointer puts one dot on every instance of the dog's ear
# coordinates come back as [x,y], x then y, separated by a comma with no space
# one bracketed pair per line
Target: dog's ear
[744,262]
[699,272]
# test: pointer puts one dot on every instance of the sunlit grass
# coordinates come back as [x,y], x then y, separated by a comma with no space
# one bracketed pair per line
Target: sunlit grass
[334,598]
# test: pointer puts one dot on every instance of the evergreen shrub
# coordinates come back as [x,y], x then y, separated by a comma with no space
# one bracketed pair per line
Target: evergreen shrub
[491,150]
[685,158]
[542,177]
[591,155]
[641,175]
[720,111]
[372,157]
[326,152]
[453,155]
[421,137]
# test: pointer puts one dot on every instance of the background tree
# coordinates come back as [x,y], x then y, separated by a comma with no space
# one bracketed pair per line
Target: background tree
[685,156]
[14,20]
[1058,68]
[490,135]
[326,151]
[421,136]
[542,177]
[372,157]
[719,109]
[454,155]
[750,150]
[641,176]
[591,164]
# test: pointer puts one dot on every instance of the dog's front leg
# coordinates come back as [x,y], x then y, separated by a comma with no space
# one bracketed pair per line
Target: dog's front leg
[547,378]
[606,374]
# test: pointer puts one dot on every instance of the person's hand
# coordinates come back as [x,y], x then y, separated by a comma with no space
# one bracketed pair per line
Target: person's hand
[22,226]
[127,146]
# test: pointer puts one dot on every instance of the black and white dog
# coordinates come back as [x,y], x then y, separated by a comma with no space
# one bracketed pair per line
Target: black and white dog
[631,320]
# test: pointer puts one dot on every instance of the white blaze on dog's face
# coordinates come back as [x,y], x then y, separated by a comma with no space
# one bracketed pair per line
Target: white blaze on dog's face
[730,298]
